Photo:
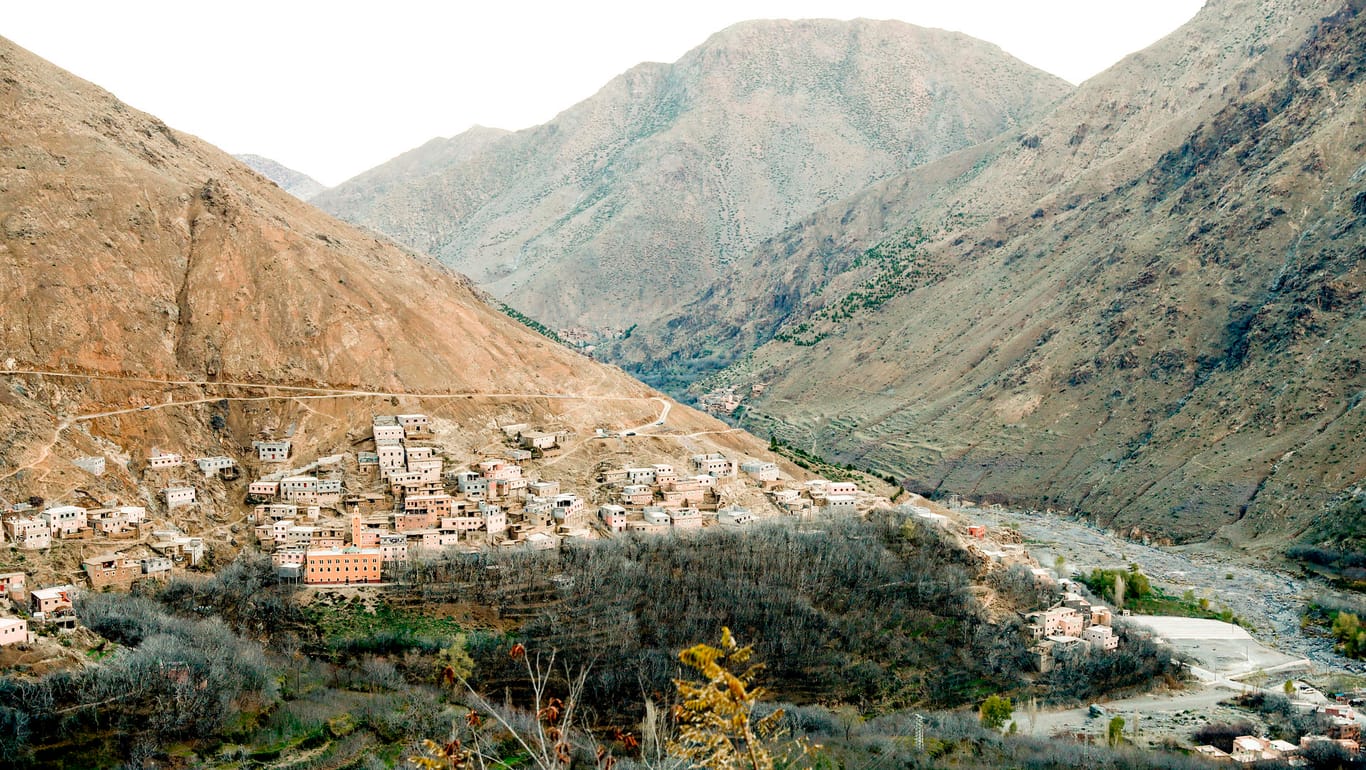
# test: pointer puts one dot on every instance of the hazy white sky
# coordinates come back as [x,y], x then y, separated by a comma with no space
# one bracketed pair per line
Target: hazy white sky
[334,88]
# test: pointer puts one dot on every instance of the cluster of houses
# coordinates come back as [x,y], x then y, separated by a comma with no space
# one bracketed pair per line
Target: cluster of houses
[724,401]
[179,495]
[814,496]
[30,529]
[50,606]
[423,506]
[1074,625]
[1344,732]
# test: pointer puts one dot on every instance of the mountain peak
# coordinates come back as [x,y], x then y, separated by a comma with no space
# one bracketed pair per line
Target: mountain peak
[671,171]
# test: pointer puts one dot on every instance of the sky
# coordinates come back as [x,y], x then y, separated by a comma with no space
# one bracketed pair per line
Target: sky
[334,88]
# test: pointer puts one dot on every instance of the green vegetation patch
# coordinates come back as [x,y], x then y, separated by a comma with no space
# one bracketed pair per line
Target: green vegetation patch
[353,628]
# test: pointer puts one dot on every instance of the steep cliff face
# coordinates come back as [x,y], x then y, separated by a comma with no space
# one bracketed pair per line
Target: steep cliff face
[1145,306]
[630,201]
[156,293]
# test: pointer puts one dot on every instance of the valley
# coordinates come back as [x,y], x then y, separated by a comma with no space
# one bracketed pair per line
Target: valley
[842,394]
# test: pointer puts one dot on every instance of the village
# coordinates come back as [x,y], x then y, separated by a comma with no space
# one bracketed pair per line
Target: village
[348,519]
[353,518]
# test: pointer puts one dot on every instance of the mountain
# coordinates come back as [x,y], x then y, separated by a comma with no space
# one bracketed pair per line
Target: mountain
[1144,306]
[296,183]
[635,198]
[159,294]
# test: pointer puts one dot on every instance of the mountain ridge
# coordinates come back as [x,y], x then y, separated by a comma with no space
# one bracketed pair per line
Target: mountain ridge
[1056,343]
[671,170]
[171,297]
[296,183]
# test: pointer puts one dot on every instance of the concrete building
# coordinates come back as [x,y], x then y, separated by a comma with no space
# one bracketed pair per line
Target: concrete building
[14,585]
[656,516]
[161,460]
[13,631]
[734,516]
[211,465]
[637,494]
[760,471]
[271,451]
[1101,638]
[263,489]
[111,570]
[714,465]
[393,547]
[178,496]
[53,599]
[538,440]
[543,488]
[65,520]
[567,505]
[93,464]
[392,458]
[414,424]
[156,567]
[841,504]
[343,566]
[613,517]
[686,518]
[29,533]
[1058,621]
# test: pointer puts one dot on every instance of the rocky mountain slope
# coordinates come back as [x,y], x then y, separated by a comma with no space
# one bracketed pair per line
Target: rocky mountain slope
[1147,305]
[296,183]
[639,195]
[157,293]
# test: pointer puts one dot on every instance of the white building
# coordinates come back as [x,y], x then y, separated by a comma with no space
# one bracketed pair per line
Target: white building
[734,516]
[65,520]
[271,451]
[715,465]
[178,496]
[760,471]
[838,504]
[212,465]
[161,460]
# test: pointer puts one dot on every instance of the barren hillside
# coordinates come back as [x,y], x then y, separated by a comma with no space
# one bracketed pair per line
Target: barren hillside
[1145,306]
[158,294]
[633,199]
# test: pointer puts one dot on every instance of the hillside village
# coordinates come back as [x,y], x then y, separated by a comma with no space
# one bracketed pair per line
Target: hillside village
[399,493]
[353,518]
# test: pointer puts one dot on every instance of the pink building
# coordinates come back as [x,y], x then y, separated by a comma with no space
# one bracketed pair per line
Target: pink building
[1101,638]
[29,534]
[14,585]
[13,631]
[613,517]
[54,599]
